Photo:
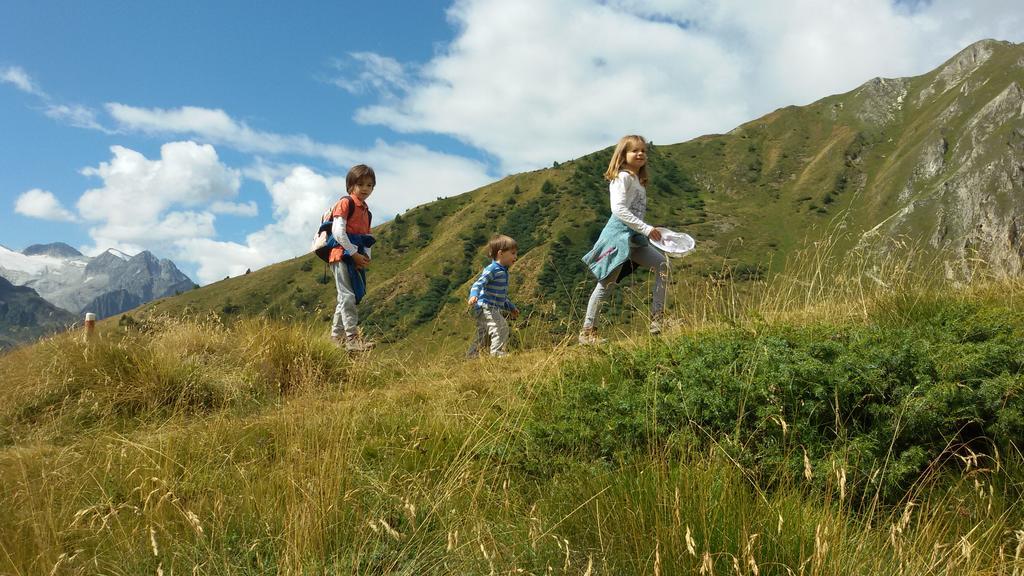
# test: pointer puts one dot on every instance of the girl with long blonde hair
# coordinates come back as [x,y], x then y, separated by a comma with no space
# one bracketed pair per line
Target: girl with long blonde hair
[624,244]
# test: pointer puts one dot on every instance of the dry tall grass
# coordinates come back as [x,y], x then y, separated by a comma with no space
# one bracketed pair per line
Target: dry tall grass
[259,448]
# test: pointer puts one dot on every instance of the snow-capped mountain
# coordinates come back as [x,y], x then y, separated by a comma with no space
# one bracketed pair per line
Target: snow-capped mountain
[41,261]
[106,285]
[57,250]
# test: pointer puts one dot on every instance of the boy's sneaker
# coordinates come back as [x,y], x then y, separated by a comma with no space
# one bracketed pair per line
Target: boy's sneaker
[590,338]
[357,344]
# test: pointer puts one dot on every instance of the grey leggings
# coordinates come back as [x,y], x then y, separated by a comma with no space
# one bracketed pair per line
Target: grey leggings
[645,257]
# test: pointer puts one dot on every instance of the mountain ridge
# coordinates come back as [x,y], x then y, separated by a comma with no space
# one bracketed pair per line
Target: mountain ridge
[931,164]
[25,316]
[57,249]
[107,284]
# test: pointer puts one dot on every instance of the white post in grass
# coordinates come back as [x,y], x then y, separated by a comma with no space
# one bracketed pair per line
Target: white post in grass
[90,326]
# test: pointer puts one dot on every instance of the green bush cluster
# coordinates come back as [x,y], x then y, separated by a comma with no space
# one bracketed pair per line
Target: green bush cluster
[883,401]
[674,192]
[564,279]
[587,184]
[433,299]
[522,223]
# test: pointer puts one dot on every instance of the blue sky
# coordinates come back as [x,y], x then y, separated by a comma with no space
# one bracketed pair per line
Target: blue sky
[214,133]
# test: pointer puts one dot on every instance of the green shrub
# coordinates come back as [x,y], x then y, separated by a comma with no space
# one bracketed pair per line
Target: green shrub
[884,401]
[522,223]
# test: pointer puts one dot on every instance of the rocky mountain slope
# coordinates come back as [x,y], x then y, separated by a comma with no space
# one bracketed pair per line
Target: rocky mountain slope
[106,285]
[25,316]
[931,165]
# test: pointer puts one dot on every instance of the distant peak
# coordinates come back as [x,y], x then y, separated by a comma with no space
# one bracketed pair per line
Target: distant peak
[969,59]
[118,253]
[987,43]
[58,249]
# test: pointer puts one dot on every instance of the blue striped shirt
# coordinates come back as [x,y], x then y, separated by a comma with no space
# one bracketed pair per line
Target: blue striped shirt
[491,288]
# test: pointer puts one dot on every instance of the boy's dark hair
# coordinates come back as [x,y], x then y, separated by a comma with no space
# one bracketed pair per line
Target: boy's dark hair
[500,242]
[359,173]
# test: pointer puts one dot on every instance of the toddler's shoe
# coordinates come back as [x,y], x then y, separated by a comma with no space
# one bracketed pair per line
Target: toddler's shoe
[655,327]
[589,337]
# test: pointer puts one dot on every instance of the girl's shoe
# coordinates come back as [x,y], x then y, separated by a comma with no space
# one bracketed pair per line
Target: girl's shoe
[590,338]
[655,327]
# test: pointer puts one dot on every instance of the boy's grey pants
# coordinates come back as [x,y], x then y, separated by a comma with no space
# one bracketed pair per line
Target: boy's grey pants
[345,316]
[646,257]
[490,326]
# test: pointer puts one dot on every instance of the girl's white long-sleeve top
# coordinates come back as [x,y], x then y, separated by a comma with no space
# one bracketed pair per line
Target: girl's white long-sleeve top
[629,202]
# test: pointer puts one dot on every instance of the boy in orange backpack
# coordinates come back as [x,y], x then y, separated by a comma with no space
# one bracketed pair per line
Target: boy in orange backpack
[349,261]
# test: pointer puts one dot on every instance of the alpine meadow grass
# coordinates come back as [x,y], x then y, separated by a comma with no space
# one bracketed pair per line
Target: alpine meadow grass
[808,425]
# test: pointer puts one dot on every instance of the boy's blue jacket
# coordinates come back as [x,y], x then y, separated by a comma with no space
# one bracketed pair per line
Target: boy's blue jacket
[611,250]
[361,241]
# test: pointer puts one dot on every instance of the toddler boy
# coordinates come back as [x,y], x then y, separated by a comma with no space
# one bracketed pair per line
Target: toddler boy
[488,297]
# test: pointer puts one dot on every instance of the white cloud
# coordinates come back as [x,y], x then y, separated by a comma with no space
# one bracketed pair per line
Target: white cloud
[137,206]
[75,115]
[217,127]
[535,81]
[381,74]
[21,80]
[528,82]
[217,259]
[246,209]
[407,174]
[159,234]
[41,204]
[299,200]
[72,114]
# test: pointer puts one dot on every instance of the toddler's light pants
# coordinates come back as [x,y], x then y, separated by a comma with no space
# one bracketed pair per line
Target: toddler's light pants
[490,326]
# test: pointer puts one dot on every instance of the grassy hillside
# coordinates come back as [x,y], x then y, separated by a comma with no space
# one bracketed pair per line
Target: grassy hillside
[929,164]
[839,389]
[875,431]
